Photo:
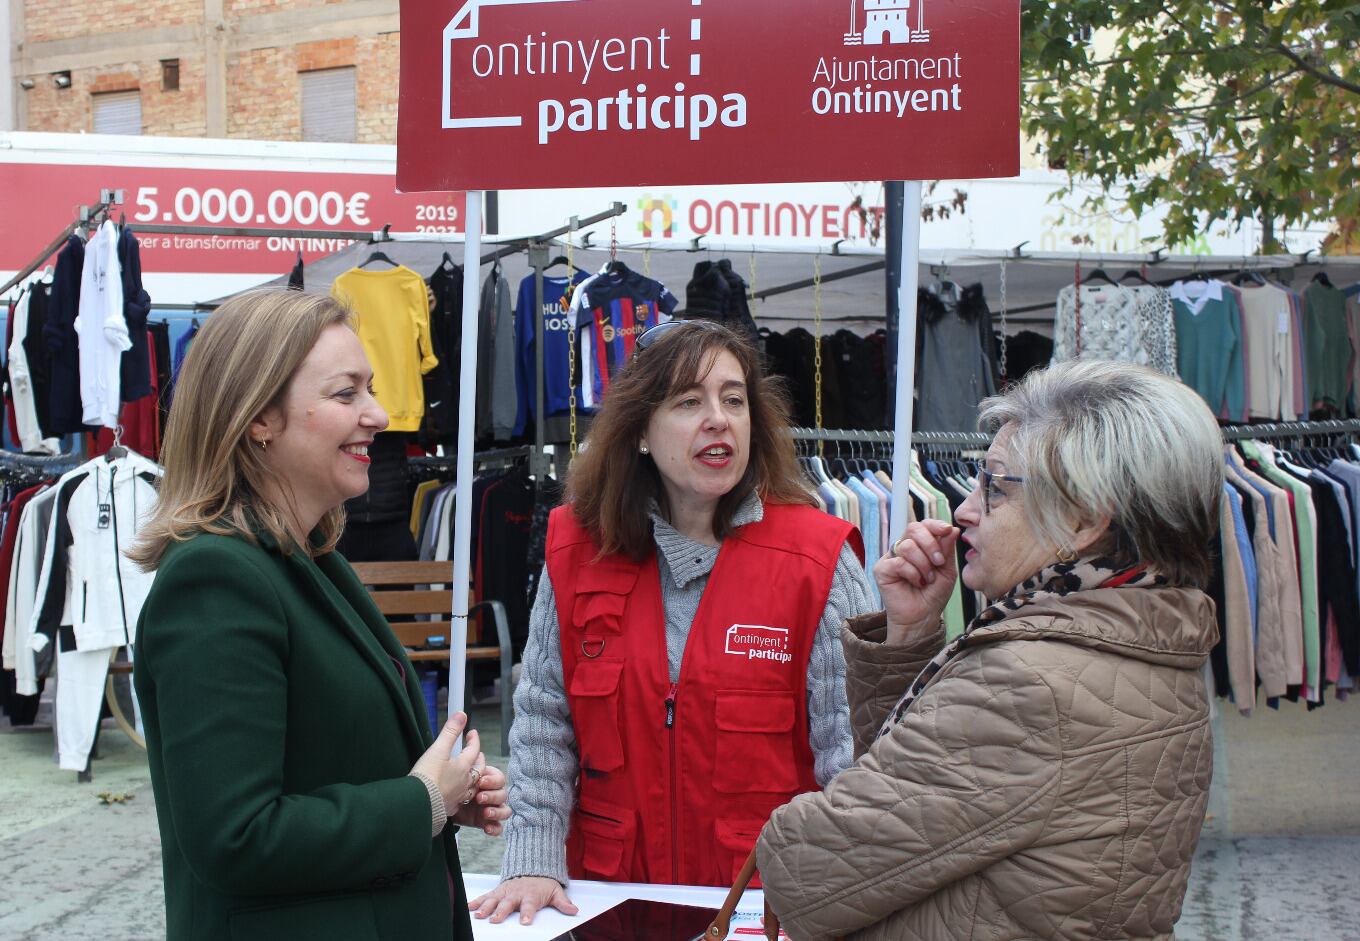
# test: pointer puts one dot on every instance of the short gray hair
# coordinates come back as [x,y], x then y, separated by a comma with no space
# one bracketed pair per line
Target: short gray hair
[1099,438]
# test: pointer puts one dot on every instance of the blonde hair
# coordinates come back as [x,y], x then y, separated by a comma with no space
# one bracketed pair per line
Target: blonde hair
[1096,438]
[241,363]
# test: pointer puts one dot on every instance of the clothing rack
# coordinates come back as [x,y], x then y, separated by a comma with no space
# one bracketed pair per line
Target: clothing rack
[961,439]
[972,439]
[85,216]
[497,457]
[1294,429]
[13,459]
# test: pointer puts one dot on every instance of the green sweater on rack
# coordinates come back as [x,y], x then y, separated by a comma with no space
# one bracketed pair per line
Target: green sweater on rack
[1327,346]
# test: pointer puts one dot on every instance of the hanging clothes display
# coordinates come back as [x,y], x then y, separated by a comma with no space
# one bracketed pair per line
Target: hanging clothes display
[860,376]
[610,311]
[440,424]
[1294,645]
[392,318]
[1026,352]
[135,368]
[503,502]
[1121,322]
[496,400]
[1209,344]
[102,331]
[26,319]
[296,278]
[19,485]
[1273,351]
[376,521]
[1328,348]
[63,351]
[557,379]
[74,596]
[161,359]
[716,292]
[954,354]
[792,357]
[1353,333]
[858,489]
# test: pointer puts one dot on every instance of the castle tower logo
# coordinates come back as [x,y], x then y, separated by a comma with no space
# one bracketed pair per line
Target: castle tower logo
[887,22]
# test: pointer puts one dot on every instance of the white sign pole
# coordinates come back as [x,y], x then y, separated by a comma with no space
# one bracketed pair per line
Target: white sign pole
[906,353]
[467,406]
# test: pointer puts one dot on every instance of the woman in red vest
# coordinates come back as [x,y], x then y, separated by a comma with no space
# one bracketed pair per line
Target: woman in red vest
[684,673]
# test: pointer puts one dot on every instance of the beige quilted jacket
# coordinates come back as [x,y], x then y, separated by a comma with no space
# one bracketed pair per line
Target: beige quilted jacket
[1050,781]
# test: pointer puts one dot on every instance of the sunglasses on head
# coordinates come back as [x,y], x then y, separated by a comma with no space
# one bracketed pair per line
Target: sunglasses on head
[650,336]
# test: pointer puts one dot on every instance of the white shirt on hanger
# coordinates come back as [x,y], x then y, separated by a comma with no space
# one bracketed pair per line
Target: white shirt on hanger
[101,329]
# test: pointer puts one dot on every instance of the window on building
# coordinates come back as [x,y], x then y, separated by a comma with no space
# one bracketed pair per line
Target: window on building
[328,105]
[169,75]
[118,112]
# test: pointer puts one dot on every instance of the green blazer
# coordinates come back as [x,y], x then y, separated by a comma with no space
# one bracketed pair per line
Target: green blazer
[280,733]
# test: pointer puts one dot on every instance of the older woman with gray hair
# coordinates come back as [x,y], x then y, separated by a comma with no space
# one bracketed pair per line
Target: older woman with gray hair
[1045,774]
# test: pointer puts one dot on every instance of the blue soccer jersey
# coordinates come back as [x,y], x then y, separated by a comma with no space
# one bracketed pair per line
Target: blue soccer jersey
[556,363]
[616,308]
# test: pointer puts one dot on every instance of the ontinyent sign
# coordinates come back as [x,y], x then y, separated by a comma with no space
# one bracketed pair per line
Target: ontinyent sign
[522,94]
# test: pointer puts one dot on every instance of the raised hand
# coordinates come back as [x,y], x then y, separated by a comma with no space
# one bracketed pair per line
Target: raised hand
[916,579]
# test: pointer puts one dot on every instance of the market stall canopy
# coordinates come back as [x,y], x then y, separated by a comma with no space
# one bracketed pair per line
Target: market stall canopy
[1033,279]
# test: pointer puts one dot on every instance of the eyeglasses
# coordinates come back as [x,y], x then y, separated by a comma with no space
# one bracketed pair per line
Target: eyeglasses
[985,480]
[649,337]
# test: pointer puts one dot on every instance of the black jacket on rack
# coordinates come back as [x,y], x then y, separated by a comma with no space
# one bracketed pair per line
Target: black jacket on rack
[716,292]
[440,424]
[160,344]
[792,356]
[64,410]
[135,365]
[506,524]
[386,497]
[1336,574]
[862,383]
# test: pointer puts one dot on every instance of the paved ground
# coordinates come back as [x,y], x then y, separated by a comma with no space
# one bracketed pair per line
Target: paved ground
[1279,857]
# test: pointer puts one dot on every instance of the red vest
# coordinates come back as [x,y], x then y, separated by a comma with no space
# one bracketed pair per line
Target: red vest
[677,780]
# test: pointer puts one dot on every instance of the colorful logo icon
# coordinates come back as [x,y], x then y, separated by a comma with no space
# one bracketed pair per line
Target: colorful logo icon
[650,208]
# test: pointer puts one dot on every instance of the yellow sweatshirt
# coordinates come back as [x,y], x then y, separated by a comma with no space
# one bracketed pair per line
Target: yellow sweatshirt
[392,317]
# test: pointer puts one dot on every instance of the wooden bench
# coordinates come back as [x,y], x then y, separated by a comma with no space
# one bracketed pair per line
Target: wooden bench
[402,589]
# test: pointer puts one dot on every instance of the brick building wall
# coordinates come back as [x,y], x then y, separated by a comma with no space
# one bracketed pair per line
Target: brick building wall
[261,47]
[52,20]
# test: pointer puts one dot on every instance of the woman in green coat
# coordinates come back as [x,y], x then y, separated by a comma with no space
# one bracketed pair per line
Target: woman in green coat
[298,789]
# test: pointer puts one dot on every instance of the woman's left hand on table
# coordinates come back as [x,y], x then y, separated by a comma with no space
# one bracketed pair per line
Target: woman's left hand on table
[487,811]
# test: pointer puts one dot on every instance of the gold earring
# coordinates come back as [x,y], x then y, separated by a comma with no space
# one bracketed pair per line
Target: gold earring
[644,450]
[1067,556]
[264,444]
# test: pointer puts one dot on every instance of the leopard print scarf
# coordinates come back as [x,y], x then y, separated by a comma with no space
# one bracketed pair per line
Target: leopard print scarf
[1059,579]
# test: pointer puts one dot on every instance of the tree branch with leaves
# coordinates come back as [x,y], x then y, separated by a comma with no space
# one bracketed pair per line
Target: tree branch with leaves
[1223,110]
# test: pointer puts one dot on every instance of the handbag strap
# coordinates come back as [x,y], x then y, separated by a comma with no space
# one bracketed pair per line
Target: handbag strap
[722,922]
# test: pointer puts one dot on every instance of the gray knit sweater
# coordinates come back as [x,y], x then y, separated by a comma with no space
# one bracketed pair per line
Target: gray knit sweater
[543,759]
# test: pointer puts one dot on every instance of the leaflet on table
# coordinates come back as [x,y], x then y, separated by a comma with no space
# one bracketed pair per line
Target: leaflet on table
[749,926]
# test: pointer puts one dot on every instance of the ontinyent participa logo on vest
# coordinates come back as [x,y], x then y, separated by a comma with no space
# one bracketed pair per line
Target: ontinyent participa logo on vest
[755,642]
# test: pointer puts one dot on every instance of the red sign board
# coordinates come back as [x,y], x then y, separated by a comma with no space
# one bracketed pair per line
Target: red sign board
[45,197]
[523,94]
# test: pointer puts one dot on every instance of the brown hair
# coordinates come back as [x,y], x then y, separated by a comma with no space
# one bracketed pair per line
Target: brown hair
[611,485]
[241,363]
